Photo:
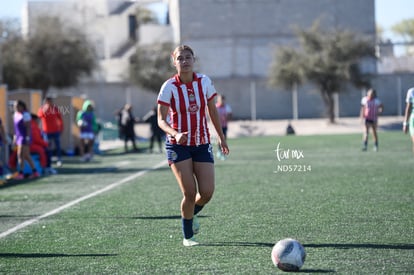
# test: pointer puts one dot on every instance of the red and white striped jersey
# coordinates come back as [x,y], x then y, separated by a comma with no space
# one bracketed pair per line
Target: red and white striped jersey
[188,104]
[371,107]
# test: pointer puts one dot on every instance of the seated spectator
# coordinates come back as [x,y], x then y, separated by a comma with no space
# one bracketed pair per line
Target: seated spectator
[41,147]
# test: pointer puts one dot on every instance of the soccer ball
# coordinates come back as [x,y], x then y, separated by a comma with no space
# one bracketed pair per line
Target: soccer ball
[288,255]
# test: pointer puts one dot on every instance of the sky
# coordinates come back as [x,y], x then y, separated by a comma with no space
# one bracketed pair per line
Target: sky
[388,12]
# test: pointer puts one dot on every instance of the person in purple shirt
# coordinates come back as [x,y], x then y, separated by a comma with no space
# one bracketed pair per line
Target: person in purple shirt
[22,138]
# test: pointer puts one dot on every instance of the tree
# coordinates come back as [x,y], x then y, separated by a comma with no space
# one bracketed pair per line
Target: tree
[151,65]
[59,56]
[52,56]
[13,61]
[144,16]
[405,28]
[380,33]
[329,60]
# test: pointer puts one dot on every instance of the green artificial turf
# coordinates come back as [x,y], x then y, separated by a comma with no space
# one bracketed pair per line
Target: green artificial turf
[353,211]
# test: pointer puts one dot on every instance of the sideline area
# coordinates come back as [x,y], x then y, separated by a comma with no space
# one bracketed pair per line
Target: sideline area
[308,126]
[246,128]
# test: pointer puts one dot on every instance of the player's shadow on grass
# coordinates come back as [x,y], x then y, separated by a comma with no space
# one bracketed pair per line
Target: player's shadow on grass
[98,170]
[391,127]
[172,217]
[12,217]
[266,245]
[363,246]
[328,245]
[51,255]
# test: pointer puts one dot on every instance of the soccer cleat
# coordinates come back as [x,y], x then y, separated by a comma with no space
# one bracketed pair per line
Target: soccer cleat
[19,176]
[11,176]
[375,149]
[196,225]
[50,171]
[59,163]
[84,158]
[34,175]
[190,242]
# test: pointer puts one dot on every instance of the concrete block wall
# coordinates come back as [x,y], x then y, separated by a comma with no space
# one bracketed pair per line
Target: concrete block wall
[236,38]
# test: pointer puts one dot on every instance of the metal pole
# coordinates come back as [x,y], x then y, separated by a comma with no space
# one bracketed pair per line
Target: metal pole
[336,105]
[399,97]
[253,99]
[128,98]
[295,102]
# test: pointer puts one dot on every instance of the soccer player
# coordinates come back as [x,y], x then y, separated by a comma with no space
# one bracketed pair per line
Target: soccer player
[371,107]
[408,124]
[183,103]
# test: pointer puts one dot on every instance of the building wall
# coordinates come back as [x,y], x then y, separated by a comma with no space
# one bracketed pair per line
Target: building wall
[234,41]
[236,38]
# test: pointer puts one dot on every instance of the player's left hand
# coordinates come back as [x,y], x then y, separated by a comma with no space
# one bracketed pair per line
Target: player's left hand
[224,147]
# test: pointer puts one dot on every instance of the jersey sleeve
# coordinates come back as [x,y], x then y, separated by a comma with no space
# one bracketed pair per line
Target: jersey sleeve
[364,101]
[209,88]
[410,96]
[165,94]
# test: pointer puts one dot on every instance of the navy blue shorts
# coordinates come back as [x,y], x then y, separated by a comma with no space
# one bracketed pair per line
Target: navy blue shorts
[370,122]
[177,153]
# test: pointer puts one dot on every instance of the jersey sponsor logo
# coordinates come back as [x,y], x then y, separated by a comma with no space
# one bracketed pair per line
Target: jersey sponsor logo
[193,108]
[191,98]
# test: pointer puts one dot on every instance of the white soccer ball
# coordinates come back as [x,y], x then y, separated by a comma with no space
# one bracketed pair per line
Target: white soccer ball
[288,255]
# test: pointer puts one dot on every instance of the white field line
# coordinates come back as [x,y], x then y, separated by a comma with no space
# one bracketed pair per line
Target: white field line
[74,202]
[122,163]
